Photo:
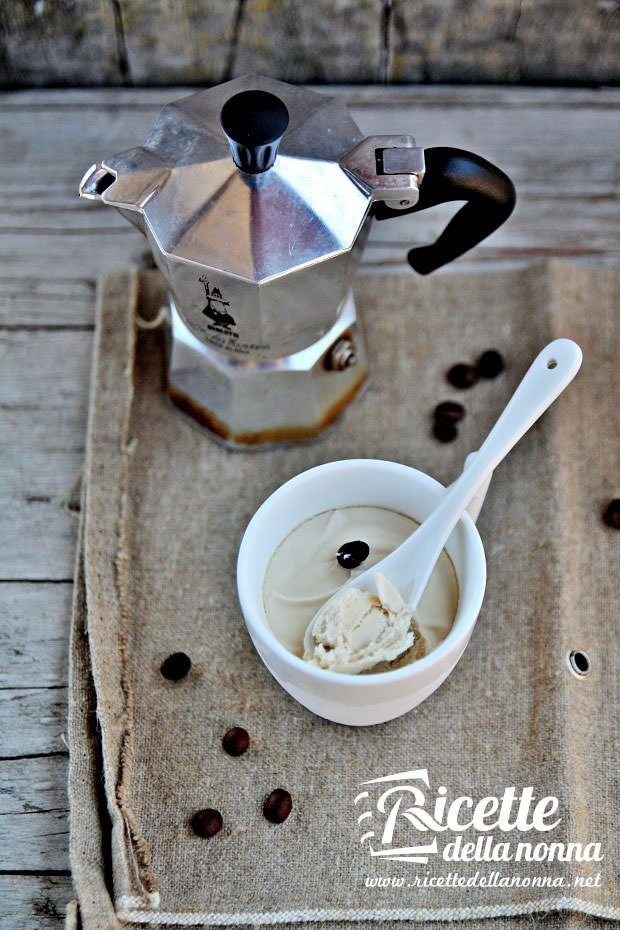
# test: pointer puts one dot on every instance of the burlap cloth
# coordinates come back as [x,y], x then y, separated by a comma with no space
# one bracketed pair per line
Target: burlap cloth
[164,511]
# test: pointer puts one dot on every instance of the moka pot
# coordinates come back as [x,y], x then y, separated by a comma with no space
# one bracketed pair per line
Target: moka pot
[256,198]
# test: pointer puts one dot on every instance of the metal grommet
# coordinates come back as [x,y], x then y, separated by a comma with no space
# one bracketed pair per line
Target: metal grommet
[579,663]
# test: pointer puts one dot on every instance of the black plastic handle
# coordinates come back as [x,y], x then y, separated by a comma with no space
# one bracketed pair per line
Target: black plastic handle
[452,174]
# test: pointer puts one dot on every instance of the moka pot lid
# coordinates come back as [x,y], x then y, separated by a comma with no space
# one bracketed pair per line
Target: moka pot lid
[289,205]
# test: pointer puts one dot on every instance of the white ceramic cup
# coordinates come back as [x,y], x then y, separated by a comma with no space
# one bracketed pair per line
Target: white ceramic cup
[358,700]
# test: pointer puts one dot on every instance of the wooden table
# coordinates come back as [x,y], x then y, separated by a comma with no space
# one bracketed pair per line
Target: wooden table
[560,147]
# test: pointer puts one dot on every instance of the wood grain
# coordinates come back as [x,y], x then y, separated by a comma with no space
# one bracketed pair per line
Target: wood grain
[34,814]
[48,43]
[566,41]
[33,635]
[33,721]
[34,902]
[33,754]
[561,146]
[43,403]
[131,41]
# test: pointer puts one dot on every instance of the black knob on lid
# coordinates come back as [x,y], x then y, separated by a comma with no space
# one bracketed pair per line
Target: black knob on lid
[254,122]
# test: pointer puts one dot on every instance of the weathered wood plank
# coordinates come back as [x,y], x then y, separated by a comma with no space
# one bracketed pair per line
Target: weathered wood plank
[36,842]
[33,721]
[456,96]
[559,232]
[117,43]
[328,41]
[33,802]
[32,902]
[28,302]
[179,41]
[43,404]
[133,42]
[59,43]
[43,534]
[34,631]
[128,41]
[575,41]
[32,787]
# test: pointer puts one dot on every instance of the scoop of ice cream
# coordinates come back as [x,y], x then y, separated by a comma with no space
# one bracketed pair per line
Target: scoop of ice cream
[356,630]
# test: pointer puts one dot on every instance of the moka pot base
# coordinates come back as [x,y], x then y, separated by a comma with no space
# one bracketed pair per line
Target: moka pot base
[249,403]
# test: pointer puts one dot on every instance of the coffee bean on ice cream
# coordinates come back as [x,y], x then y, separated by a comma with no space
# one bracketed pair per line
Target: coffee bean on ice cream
[352,554]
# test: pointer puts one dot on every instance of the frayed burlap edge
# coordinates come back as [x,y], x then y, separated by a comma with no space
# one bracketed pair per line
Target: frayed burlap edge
[99,634]
[90,827]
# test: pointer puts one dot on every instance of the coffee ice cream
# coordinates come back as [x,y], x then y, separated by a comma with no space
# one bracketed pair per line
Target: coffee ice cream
[356,630]
[304,572]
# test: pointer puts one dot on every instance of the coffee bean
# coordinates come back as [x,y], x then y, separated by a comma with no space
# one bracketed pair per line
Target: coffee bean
[449,411]
[462,375]
[176,666]
[352,554]
[278,806]
[207,823]
[444,430]
[235,741]
[490,364]
[611,514]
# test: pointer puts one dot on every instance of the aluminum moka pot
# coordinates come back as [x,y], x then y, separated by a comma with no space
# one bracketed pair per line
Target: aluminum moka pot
[256,199]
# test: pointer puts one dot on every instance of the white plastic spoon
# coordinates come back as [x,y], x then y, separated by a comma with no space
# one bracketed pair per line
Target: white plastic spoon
[409,567]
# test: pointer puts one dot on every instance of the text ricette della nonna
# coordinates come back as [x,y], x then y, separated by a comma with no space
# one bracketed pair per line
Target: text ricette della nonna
[402,807]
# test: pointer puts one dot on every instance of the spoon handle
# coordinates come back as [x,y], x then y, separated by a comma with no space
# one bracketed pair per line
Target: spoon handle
[550,372]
